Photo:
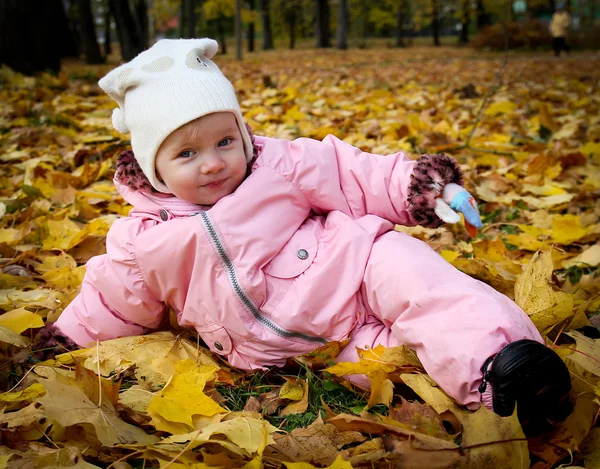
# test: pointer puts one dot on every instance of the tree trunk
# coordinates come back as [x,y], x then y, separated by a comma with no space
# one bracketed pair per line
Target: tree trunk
[482,17]
[251,27]
[107,34]
[400,25]
[238,29]
[292,27]
[88,32]
[34,36]
[72,13]
[182,18]
[221,34]
[435,22]
[126,29]
[322,23]
[466,19]
[342,25]
[190,26]
[266,25]
[140,8]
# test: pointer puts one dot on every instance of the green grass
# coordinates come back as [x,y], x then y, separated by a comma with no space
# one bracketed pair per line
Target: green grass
[322,388]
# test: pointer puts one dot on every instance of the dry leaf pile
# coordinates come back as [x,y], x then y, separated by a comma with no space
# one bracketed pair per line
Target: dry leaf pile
[532,157]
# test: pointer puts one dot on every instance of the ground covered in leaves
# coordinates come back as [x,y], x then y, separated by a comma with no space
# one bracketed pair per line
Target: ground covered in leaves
[526,130]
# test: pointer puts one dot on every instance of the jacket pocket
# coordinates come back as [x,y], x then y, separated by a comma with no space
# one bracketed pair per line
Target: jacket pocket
[296,256]
[216,338]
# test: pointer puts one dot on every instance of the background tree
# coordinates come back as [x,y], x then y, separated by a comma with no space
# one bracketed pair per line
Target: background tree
[88,33]
[342,25]
[322,23]
[220,14]
[187,19]
[266,25]
[140,8]
[238,29]
[287,19]
[35,36]
[250,22]
[483,18]
[126,29]
[400,18]
[435,21]
[107,31]
[465,20]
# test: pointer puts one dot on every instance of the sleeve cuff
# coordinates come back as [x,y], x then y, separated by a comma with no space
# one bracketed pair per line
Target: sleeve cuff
[430,175]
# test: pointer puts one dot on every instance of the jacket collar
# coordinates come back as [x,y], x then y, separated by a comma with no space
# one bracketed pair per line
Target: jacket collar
[147,205]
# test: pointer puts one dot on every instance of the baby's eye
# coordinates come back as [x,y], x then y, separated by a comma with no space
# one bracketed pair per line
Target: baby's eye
[186,154]
[224,142]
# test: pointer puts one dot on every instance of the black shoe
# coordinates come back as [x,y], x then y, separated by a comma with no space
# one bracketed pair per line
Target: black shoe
[534,377]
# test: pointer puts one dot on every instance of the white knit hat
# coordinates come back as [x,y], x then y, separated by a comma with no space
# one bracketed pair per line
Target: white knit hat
[165,87]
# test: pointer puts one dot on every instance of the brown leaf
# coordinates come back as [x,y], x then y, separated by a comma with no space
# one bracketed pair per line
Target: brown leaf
[420,417]
[318,443]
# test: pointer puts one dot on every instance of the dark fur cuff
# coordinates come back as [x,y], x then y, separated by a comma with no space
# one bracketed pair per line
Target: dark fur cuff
[50,341]
[430,175]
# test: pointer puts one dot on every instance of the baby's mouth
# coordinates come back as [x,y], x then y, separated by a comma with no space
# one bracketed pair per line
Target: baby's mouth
[215,184]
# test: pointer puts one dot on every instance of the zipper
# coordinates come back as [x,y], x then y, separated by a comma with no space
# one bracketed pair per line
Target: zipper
[250,306]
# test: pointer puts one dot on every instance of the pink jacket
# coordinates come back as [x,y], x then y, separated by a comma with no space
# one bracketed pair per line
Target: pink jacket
[271,271]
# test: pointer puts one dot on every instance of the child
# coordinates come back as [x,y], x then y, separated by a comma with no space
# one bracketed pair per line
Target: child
[269,248]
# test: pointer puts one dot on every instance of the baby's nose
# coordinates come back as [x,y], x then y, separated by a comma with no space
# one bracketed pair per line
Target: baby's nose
[212,164]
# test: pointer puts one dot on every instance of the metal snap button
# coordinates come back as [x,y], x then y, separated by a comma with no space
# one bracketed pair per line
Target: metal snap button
[302,254]
[164,216]
[218,346]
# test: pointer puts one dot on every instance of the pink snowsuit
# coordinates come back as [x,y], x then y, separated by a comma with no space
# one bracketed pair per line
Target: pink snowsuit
[303,252]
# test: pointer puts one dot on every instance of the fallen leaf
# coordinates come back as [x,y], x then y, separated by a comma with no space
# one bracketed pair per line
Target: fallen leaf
[319,442]
[67,404]
[535,296]
[183,395]
[252,435]
[20,319]
[487,438]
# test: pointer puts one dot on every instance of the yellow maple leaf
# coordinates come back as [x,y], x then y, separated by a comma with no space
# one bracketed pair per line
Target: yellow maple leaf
[292,389]
[535,296]
[449,256]
[20,319]
[65,234]
[250,434]
[566,229]
[591,148]
[183,395]
[27,394]
[500,107]
[11,236]
[299,406]
[382,389]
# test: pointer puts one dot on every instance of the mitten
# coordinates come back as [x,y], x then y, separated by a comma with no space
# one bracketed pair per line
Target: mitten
[50,342]
[455,199]
[533,377]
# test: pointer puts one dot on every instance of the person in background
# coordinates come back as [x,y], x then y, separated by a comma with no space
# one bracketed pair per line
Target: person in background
[559,27]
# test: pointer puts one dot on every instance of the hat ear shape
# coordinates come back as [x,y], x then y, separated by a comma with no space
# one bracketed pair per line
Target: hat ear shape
[207,47]
[118,121]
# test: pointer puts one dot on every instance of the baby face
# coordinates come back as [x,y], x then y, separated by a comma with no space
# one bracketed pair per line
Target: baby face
[204,160]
